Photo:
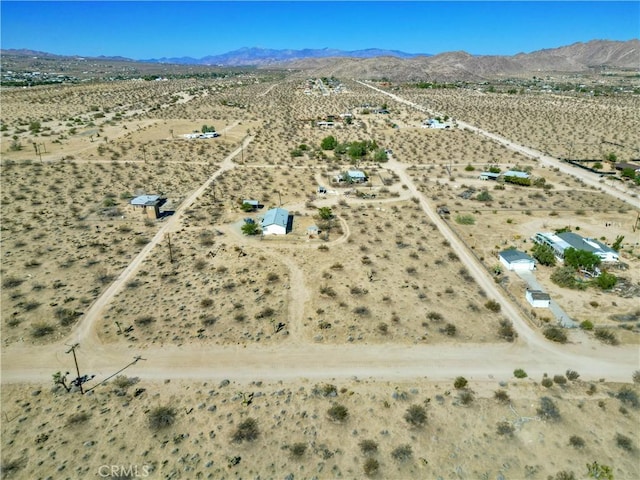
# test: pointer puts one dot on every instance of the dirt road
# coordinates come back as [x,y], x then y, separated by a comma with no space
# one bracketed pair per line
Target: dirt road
[295,359]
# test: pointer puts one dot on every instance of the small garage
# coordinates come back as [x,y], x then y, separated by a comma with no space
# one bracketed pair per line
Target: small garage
[516,260]
[538,299]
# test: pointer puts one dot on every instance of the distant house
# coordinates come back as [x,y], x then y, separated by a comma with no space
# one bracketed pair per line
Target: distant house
[356,176]
[313,231]
[488,176]
[538,299]
[561,241]
[321,189]
[434,123]
[276,222]
[148,204]
[516,260]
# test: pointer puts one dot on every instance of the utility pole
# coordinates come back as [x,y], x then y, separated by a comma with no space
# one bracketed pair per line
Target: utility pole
[170,250]
[78,381]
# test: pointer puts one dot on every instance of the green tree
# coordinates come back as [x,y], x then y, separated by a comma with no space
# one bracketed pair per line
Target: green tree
[325,213]
[329,143]
[544,254]
[380,155]
[581,259]
[628,173]
[250,228]
[34,126]
[208,128]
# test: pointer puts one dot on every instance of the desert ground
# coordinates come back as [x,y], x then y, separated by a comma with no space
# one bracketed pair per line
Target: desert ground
[379,312]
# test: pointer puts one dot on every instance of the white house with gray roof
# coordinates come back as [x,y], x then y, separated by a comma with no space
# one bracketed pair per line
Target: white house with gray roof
[275,222]
[564,240]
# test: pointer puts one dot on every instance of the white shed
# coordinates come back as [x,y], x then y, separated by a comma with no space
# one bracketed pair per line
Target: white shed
[538,299]
[516,260]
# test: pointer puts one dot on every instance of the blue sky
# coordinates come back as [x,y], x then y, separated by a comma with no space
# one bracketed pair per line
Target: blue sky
[152,29]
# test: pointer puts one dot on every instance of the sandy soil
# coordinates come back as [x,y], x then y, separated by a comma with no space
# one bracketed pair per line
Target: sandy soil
[394,294]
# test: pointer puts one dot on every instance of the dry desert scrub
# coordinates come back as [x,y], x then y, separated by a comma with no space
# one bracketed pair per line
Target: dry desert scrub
[227,428]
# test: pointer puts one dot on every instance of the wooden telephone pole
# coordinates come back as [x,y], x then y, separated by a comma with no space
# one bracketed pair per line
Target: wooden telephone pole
[78,380]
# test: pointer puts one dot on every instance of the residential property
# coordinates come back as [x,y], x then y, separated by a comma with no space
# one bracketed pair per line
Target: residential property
[356,176]
[538,298]
[276,222]
[561,241]
[489,176]
[516,260]
[434,123]
[148,204]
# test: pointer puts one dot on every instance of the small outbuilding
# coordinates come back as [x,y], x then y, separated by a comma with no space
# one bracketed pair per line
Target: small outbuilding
[489,176]
[148,204]
[538,298]
[276,222]
[356,176]
[516,260]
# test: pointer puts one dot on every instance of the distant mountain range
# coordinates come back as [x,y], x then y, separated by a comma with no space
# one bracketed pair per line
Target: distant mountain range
[400,66]
[267,56]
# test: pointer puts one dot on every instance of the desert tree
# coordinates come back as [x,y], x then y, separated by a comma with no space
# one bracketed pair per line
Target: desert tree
[247,431]
[338,413]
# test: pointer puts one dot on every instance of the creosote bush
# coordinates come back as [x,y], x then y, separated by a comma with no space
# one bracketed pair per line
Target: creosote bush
[555,334]
[416,415]
[338,412]
[247,431]
[460,382]
[576,441]
[502,396]
[368,447]
[548,409]
[370,467]
[504,428]
[402,453]
[519,373]
[162,417]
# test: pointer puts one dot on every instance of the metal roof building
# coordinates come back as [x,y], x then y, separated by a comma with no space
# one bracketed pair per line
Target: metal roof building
[275,222]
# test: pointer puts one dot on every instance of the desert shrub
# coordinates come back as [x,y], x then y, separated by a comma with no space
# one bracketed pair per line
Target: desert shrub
[209,320]
[123,382]
[504,428]
[572,375]
[563,475]
[460,382]
[606,281]
[492,305]
[41,329]
[566,277]
[628,396]
[465,219]
[162,417]
[506,331]
[77,418]
[586,325]
[402,453]
[11,282]
[10,467]
[559,379]
[624,442]
[595,470]
[326,390]
[548,409]
[555,334]
[606,336]
[246,431]
[636,376]
[338,413]
[362,311]
[484,196]
[383,328]
[266,312]
[547,382]
[502,396]
[435,316]
[144,320]
[298,449]
[328,291]
[519,373]
[368,447]
[416,415]
[449,329]
[466,397]
[66,316]
[576,441]
[371,466]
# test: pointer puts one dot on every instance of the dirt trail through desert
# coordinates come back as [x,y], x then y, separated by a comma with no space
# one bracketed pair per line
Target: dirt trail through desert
[294,358]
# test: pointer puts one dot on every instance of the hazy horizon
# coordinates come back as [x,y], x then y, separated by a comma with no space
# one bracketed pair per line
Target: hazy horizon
[146,30]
